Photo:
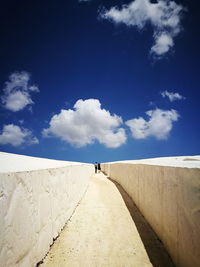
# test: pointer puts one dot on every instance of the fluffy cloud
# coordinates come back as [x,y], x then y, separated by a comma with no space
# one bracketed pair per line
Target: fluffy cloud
[172,96]
[163,16]
[163,42]
[85,124]
[17,91]
[159,124]
[15,136]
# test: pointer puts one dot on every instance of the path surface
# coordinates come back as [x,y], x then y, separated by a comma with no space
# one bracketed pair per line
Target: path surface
[100,233]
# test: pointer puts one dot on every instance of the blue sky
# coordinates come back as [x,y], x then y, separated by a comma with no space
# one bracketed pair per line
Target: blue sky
[100,80]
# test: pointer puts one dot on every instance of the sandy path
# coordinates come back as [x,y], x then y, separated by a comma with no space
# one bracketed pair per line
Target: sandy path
[101,232]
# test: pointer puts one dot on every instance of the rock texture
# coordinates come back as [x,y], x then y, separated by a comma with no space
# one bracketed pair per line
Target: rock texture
[167,192]
[37,197]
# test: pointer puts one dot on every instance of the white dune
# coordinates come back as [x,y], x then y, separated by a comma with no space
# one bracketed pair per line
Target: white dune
[19,163]
[180,161]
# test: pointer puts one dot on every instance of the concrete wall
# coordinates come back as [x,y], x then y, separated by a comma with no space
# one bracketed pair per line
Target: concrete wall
[169,198]
[34,207]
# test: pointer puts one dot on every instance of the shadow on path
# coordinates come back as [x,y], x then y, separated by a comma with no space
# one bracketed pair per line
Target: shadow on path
[154,247]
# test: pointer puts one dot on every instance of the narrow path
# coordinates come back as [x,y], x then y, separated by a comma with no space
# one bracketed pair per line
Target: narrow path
[101,232]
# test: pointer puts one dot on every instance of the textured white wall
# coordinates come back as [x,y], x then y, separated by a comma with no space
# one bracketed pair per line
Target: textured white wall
[34,207]
[169,198]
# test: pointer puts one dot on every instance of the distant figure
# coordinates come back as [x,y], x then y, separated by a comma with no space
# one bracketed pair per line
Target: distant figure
[99,167]
[96,167]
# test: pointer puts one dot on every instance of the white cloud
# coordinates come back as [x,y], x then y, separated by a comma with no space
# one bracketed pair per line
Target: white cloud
[172,96]
[17,91]
[159,124]
[21,122]
[163,16]
[33,140]
[85,124]
[15,136]
[163,43]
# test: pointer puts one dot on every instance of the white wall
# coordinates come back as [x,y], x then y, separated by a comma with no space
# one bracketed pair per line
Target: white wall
[34,207]
[169,198]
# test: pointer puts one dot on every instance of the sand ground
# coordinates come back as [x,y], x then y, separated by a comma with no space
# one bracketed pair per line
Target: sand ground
[102,232]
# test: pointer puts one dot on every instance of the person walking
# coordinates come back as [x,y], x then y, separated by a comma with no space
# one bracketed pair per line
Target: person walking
[96,167]
[99,167]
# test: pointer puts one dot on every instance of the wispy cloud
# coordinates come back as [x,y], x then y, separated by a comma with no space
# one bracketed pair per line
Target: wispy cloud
[172,96]
[85,124]
[16,136]
[163,16]
[159,124]
[84,0]
[17,91]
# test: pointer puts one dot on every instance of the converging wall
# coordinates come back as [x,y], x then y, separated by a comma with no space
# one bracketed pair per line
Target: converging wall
[169,199]
[34,207]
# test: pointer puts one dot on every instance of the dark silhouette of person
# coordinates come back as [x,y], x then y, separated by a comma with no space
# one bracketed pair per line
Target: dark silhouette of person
[96,167]
[99,167]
